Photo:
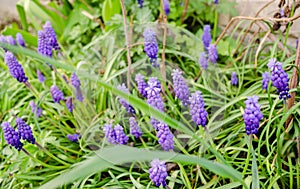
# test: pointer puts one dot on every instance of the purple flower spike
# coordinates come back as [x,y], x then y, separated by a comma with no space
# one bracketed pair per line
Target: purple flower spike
[216,2]
[3,39]
[203,61]
[73,137]
[35,109]
[167,7]
[43,44]
[252,115]
[212,53]
[123,102]
[265,80]
[279,79]
[206,37]
[151,46]
[20,40]
[110,134]
[197,110]
[25,131]
[49,31]
[158,172]
[10,40]
[135,130]
[234,79]
[140,2]
[41,77]
[153,94]
[57,95]
[14,67]
[69,104]
[75,81]
[141,84]
[165,137]
[79,95]
[11,136]
[121,137]
[180,87]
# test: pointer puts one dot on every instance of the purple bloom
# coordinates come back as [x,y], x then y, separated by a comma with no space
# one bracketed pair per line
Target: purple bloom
[49,31]
[279,79]
[165,137]
[57,95]
[41,77]
[25,131]
[3,39]
[20,40]
[153,94]
[135,130]
[252,115]
[140,2]
[265,80]
[75,81]
[203,61]
[73,137]
[216,2]
[167,7]
[34,109]
[65,78]
[206,37]
[79,95]
[110,134]
[14,67]
[180,87]
[212,53]
[197,110]
[234,79]
[158,172]
[151,46]
[123,102]
[44,48]
[297,41]
[69,104]
[10,40]
[121,137]
[141,84]
[11,136]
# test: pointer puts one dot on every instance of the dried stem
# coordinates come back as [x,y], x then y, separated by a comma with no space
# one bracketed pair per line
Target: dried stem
[260,46]
[163,56]
[186,4]
[87,14]
[127,43]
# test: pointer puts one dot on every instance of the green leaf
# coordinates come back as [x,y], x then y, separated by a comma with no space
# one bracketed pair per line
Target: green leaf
[22,15]
[117,155]
[110,8]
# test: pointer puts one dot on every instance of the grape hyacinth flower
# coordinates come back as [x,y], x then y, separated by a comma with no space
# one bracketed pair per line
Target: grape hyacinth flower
[135,130]
[41,77]
[3,39]
[57,95]
[206,37]
[165,137]
[75,81]
[265,80]
[123,102]
[203,61]
[35,109]
[121,137]
[25,131]
[153,94]
[212,53]
[20,40]
[234,79]
[197,110]
[73,137]
[141,84]
[44,48]
[110,133]
[167,7]
[14,67]
[69,104]
[158,172]
[65,78]
[279,79]
[10,40]
[252,115]
[151,46]
[50,33]
[11,136]
[216,2]
[140,2]
[180,87]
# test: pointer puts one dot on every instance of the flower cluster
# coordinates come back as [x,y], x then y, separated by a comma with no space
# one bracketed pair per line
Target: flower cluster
[279,79]
[123,102]
[180,87]
[206,37]
[212,53]
[11,136]
[158,172]
[153,94]
[165,136]
[51,36]
[135,130]
[76,83]
[14,67]
[36,110]
[69,104]
[252,115]
[25,131]
[141,85]
[265,80]
[140,2]
[234,79]
[167,7]
[203,61]
[57,95]
[73,137]
[115,135]
[197,110]
[151,46]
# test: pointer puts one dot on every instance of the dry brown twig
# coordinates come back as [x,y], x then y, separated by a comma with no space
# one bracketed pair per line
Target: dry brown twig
[163,56]
[260,46]
[186,4]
